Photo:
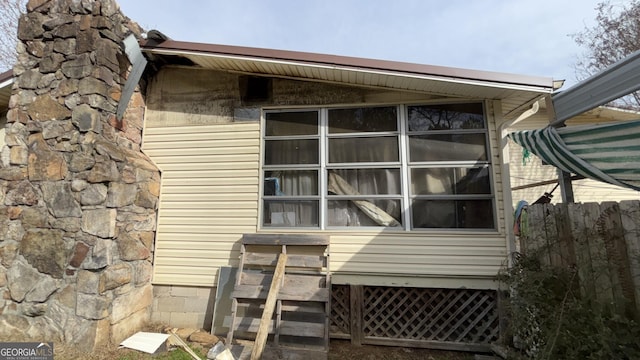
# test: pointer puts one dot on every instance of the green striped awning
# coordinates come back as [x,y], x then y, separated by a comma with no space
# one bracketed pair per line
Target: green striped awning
[609,153]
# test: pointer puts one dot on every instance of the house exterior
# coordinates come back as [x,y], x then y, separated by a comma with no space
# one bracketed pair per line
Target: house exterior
[404,166]
[400,164]
[527,171]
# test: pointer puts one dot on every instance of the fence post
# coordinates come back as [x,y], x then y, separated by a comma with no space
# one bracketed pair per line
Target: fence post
[598,252]
[551,230]
[581,242]
[565,240]
[535,242]
[630,221]
[611,227]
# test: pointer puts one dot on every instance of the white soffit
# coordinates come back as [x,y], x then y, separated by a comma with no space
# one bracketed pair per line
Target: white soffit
[448,86]
[449,82]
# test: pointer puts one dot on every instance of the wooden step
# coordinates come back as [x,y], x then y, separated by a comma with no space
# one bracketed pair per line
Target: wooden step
[310,307]
[301,261]
[292,294]
[287,327]
[264,279]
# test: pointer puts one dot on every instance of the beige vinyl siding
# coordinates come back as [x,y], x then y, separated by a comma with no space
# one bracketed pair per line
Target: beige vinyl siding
[418,254]
[209,197]
[209,201]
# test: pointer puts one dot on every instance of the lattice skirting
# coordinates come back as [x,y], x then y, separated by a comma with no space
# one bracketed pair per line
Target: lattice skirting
[368,313]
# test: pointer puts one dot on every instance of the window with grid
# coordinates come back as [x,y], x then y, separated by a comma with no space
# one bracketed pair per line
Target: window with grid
[399,167]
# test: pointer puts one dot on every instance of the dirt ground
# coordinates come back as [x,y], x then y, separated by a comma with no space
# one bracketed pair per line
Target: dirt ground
[342,349]
[339,350]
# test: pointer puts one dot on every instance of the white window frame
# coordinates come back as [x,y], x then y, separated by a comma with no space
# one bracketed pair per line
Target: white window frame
[489,164]
[404,167]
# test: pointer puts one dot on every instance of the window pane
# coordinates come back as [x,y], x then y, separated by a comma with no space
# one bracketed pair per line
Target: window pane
[446,117]
[365,212]
[366,149]
[447,147]
[364,181]
[291,123]
[290,182]
[291,213]
[372,119]
[442,181]
[296,151]
[471,214]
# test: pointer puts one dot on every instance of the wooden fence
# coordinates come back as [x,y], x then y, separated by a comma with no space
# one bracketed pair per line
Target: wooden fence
[600,241]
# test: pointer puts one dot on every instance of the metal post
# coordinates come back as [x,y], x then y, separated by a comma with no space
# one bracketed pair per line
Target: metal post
[566,187]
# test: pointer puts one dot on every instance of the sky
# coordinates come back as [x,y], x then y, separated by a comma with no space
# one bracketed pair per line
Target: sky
[510,36]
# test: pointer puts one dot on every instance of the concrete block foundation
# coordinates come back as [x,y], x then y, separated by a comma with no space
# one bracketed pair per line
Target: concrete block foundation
[183,306]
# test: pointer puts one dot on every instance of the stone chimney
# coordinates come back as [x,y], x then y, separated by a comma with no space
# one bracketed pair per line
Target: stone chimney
[78,197]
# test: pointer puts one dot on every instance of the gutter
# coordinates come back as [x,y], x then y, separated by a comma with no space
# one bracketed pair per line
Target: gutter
[138,63]
[506,177]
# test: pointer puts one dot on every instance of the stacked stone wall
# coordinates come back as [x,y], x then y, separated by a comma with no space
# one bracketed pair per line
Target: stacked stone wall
[78,198]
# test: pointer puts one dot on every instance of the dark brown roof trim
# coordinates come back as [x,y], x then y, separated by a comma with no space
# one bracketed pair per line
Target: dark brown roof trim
[346,61]
[6,76]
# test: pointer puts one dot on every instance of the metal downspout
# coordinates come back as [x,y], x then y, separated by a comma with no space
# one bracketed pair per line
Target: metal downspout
[506,177]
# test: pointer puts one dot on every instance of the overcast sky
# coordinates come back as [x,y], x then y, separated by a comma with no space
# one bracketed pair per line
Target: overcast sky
[513,36]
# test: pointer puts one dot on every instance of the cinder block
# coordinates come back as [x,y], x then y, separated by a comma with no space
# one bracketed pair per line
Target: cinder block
[171,304]
[184,319]
[161,291]
[162,317]
[196,304]
[202,320]
[207,292]
[184,291]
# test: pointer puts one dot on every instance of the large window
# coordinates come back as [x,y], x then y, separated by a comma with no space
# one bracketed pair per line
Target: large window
[400,167]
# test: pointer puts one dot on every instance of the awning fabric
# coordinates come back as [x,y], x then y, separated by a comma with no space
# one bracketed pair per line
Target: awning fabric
[609,153]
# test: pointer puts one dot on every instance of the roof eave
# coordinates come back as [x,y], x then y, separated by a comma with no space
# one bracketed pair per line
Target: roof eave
[6,78]
[544,84]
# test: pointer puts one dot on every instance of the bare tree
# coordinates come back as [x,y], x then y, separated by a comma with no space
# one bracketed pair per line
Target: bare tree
[615,35]
[10,11]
